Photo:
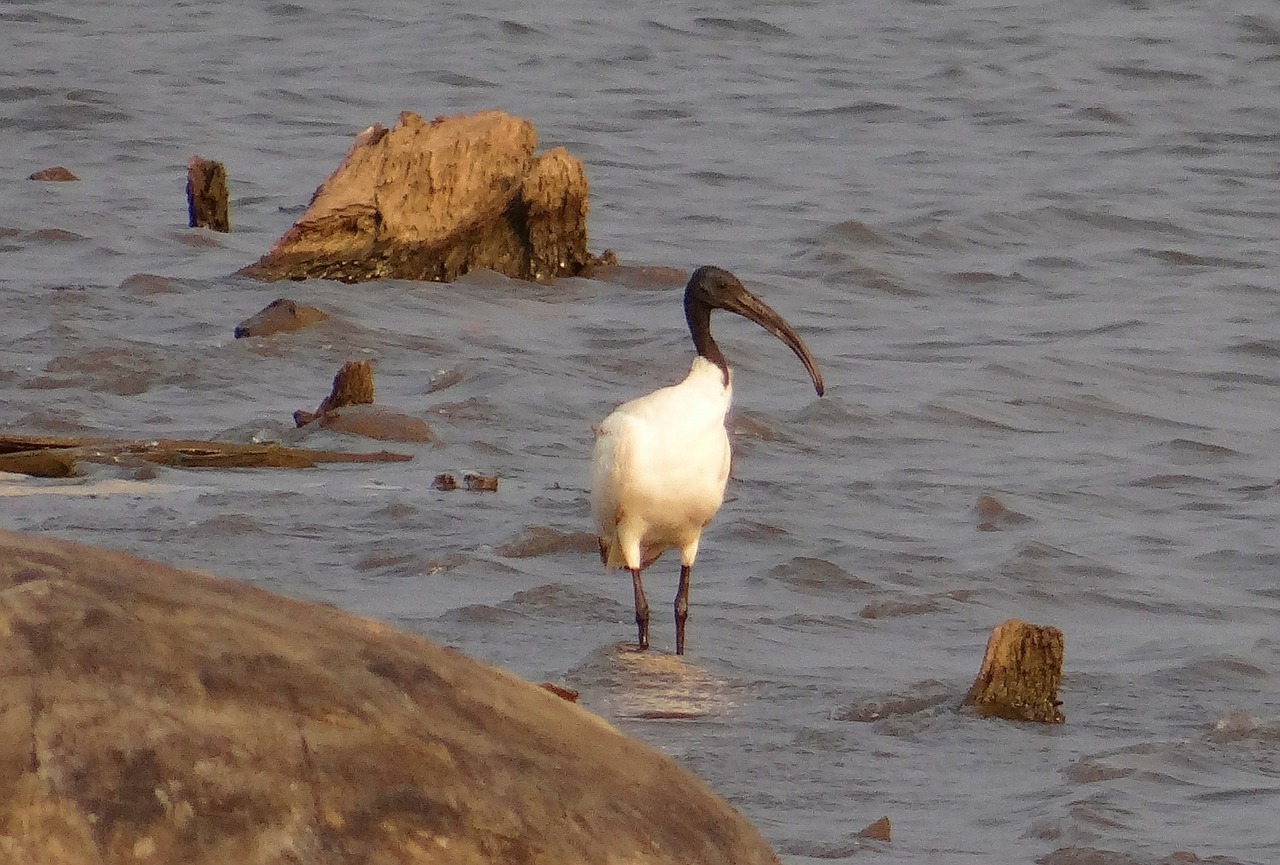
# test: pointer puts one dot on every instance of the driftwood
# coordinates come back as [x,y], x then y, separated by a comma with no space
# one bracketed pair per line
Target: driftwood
[1020,674]
[207,195]
[280,316]
[58,173]
[432,201]
[56,456]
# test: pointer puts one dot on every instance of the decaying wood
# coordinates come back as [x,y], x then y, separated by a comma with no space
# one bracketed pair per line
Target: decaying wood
[280,316]
[1020,674]
[207,197]
[56,456]
[434,200]
[353,385]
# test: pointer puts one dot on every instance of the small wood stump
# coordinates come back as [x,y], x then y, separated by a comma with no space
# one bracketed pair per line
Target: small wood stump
[207,195]
[1020,674]
[353,385]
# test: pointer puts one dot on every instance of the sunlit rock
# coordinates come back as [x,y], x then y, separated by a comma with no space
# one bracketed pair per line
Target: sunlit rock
[159,715]
[434,200]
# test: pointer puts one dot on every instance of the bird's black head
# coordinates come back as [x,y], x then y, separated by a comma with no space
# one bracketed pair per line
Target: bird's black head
[715,288]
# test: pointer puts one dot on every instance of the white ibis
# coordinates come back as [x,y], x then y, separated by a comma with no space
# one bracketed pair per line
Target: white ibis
[662,461]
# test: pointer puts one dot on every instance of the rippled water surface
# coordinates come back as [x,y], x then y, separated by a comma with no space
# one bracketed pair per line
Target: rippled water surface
[1032,246]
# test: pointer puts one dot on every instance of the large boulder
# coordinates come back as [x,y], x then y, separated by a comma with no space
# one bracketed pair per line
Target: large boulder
[149,714]
[434,200]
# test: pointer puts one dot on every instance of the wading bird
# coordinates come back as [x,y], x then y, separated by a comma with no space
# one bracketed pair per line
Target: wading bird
[662,461]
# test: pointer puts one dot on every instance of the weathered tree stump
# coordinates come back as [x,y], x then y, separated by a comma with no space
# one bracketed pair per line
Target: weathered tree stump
[1020,674]
[58,173]
[353,385]
[280,316]
[432,201]
[349,409]
[207,195]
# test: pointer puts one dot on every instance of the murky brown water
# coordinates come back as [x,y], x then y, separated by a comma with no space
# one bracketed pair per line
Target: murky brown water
[1032,246]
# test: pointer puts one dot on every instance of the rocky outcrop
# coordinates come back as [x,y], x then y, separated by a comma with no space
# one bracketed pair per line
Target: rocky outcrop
[434,200]
[158,715]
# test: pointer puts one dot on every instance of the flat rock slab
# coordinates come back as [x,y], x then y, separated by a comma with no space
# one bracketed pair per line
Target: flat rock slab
[149,714]
[434,200]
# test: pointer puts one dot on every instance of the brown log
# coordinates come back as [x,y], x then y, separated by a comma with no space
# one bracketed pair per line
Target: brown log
[1020,674]
[432,201]
[57,173]
[280,316]
[55,456]
[207,195]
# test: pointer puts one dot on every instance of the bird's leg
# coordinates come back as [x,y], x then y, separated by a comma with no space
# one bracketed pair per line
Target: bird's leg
[642,609]
[682,606]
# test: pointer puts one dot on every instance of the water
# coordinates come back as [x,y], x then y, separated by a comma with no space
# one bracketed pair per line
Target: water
[1031,245]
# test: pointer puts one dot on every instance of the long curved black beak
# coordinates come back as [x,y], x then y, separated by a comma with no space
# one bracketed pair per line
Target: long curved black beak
[747,305]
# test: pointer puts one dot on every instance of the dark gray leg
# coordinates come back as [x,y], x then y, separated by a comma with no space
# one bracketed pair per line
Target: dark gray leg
[682,606]
[642,609]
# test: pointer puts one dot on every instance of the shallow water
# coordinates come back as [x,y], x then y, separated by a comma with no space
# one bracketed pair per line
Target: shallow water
[1031,245]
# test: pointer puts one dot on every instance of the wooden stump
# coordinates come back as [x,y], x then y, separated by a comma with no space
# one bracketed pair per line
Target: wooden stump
[353,385]
[432,201]
[1020,674]
[207,195]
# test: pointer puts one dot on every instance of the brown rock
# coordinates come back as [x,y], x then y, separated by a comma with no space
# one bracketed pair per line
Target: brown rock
[880,830]
[207,196]
[1020,674]
[153,714]
[377,422]
[435,200]
[58,173]
[446,483]
[280,316]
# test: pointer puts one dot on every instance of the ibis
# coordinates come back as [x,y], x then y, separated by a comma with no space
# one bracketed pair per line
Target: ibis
[661,461]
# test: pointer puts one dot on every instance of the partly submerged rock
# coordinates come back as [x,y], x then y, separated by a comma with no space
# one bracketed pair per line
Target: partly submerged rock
[280,316]
[158,715]
[59,172]
[432,201]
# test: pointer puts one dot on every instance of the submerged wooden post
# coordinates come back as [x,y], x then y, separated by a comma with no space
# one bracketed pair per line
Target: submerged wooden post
[353,385]
[1020,674]
[207,195]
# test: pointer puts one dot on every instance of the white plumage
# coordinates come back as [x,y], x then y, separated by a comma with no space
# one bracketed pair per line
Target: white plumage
[661,461]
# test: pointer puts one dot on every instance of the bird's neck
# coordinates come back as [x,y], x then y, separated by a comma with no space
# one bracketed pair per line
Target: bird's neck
[698,315]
